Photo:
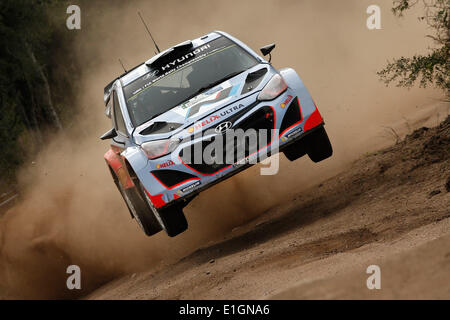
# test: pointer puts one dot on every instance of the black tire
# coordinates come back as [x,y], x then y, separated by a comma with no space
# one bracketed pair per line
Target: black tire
[143,214]
[174,220]
[138,208]
[171,219]
[318,145]
[295,150]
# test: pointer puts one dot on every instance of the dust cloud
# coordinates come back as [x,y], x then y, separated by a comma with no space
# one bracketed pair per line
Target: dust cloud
[71,212]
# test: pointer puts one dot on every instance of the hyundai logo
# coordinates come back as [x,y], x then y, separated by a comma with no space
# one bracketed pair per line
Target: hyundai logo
[224,126]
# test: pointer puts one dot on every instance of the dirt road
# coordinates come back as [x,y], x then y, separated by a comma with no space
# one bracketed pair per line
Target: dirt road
[390,208]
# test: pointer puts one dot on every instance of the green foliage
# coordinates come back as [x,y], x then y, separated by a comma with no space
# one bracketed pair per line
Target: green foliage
[432,68]
[10,129]
[29,41]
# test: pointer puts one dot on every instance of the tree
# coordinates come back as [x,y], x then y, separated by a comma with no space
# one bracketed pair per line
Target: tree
[434,67]
[33,94]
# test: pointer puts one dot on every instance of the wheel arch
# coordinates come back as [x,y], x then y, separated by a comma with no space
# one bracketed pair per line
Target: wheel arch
[294,82]
[118,167]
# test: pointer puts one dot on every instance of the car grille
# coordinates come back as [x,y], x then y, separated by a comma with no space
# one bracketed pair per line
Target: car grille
[262,119]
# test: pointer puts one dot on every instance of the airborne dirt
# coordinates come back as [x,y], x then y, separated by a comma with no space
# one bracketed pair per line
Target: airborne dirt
[71,213]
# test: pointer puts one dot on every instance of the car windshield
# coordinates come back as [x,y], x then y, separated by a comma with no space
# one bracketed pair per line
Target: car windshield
[184,76]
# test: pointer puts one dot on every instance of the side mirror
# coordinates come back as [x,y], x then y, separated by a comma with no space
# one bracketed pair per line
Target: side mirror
[266,50]
[109,134]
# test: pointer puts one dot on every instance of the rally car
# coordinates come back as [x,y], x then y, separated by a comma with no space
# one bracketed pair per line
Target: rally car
[180,102]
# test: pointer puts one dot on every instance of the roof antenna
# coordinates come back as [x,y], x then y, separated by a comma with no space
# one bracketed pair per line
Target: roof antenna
[122,66]
[154,42]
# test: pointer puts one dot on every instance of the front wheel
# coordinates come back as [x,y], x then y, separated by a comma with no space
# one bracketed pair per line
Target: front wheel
[171,219]
[295,151]
[318,145]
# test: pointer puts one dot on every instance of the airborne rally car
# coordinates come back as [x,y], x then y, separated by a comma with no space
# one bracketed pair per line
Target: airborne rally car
[172,116]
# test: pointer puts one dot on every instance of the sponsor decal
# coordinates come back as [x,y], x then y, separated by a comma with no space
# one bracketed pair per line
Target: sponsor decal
[286,102]
[231,110]
[203,123]
[224,126]
[191,186]
[292,134]
[186,57]
[205,104]
[250,159]
[194,100]
[199,125]
[203,96]
[165,164]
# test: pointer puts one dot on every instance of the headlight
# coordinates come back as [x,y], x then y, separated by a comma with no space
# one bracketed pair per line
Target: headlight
[159,148]
[273,88]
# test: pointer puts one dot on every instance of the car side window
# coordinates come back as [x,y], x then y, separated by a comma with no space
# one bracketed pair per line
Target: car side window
[119,123]
[109,108]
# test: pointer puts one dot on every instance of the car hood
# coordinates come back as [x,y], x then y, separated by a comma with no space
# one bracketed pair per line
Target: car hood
[200,106]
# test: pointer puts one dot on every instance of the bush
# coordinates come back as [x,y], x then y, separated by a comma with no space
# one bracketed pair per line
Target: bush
[434,67]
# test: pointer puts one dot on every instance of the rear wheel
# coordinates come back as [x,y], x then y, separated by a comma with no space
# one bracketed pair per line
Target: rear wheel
[171,219]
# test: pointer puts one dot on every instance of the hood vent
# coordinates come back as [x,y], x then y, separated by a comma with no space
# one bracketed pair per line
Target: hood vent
[253,80]
[160,127]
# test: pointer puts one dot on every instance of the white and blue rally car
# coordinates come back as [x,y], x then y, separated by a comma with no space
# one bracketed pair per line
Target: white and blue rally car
[178,102]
